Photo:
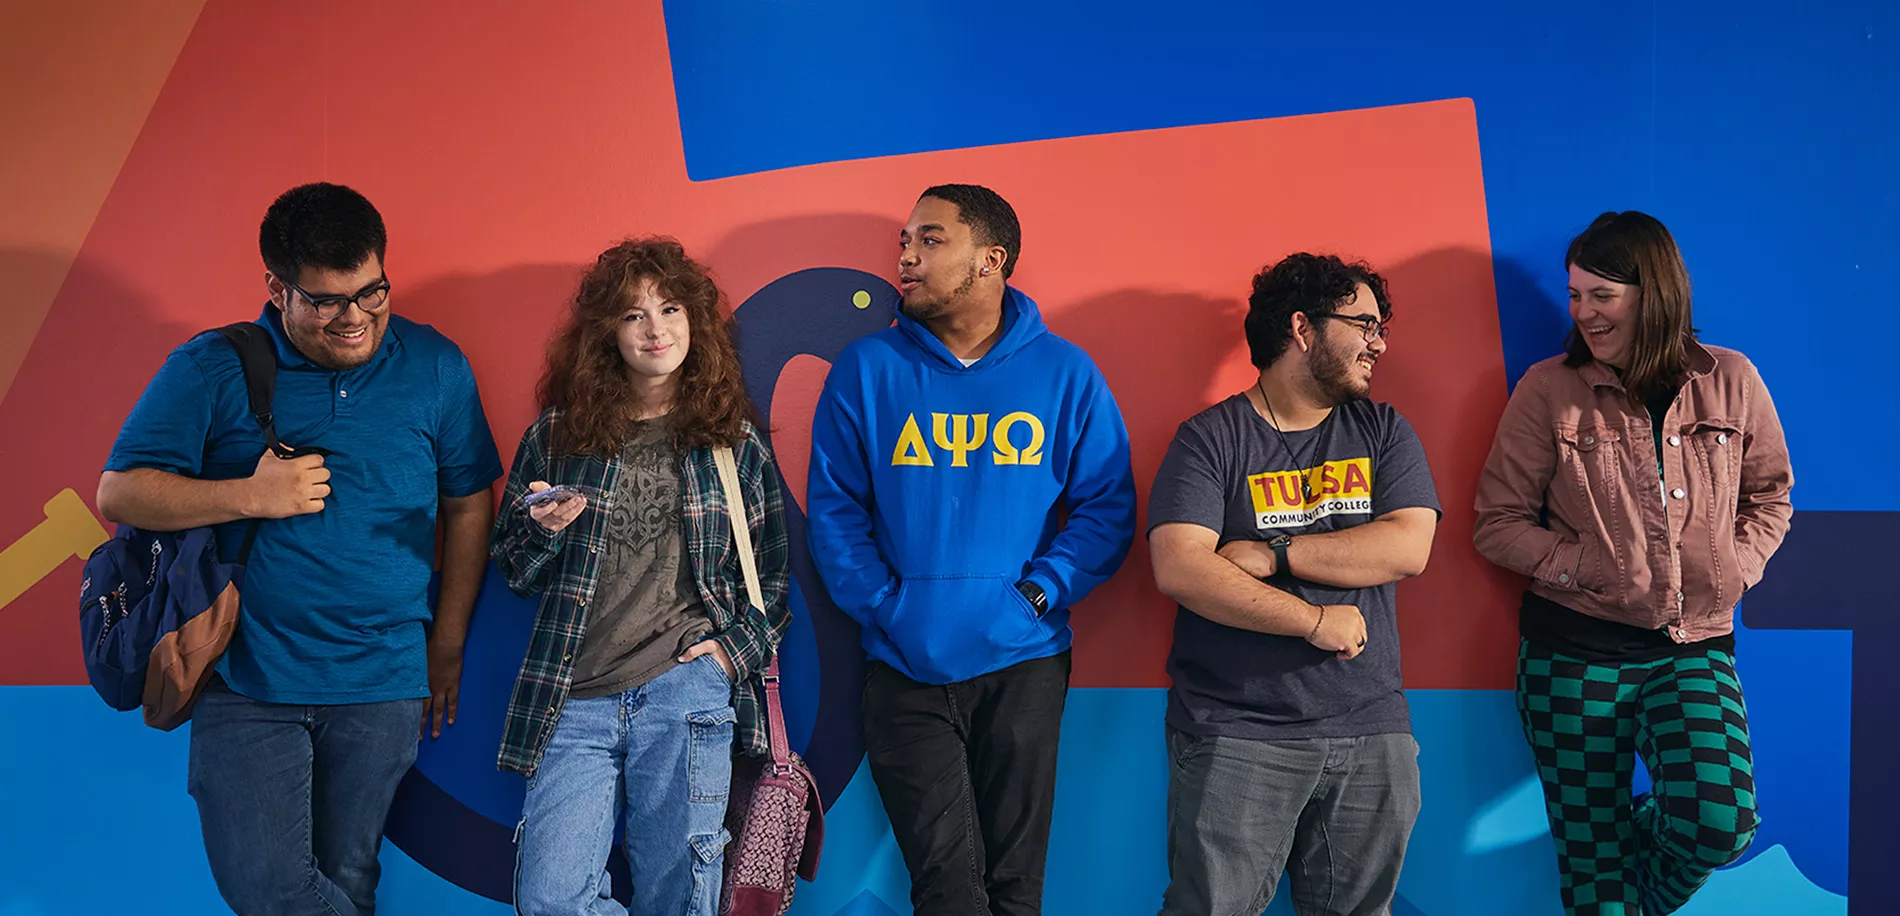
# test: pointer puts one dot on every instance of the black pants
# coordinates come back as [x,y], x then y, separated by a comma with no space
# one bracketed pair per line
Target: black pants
[967,772]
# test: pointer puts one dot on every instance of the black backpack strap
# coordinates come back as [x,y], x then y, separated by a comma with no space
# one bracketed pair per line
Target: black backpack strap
[258,355]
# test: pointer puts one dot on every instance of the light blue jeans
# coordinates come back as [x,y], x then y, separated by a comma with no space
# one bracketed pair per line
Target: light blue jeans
[659,758]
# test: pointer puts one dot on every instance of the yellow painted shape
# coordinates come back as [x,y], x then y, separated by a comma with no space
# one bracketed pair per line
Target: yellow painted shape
[70,530]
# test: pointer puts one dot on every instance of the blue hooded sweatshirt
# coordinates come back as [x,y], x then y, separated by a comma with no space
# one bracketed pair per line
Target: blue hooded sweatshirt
[936,487]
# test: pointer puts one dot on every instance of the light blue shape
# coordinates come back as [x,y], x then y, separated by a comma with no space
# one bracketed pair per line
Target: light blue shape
[1515,817]
[1108,848]
[860,856]
[109,784]
[95,811]
[1767,885]
[1108,845]
[1473,759]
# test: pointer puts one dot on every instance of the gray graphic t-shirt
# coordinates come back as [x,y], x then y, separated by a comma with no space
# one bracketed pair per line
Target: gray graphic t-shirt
[646,608]
[1230,472]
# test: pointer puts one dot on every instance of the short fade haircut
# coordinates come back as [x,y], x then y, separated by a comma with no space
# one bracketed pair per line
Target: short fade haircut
[321,225]
[991,219]
[1311,283]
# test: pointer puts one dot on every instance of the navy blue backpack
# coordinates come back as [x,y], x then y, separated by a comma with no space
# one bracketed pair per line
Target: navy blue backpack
[158,608]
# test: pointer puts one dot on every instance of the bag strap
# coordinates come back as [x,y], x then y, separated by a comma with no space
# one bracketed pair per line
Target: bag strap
[257,354]
[748,562]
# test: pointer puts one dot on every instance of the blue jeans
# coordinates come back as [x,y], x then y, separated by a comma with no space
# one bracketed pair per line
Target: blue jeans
[292,798]
[659,755]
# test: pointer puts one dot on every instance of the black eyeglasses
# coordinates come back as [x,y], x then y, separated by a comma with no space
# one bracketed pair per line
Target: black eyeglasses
[371,298]
[1369,327]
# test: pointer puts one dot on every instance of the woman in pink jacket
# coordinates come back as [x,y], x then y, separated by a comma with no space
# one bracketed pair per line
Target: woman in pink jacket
[1641,481]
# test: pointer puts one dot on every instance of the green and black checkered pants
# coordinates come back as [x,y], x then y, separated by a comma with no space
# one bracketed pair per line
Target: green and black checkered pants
[1586,721]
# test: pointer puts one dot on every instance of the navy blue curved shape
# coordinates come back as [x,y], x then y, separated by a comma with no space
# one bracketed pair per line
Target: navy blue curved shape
[1831,574]
[816,312]
[465,848]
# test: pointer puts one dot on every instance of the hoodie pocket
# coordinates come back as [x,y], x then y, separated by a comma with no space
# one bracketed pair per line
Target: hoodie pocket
[950,628]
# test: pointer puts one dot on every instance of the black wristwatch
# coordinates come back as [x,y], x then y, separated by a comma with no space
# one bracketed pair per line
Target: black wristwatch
[1037,599]
[1279,545]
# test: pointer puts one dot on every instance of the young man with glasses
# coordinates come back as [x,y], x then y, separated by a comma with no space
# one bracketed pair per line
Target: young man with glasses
[300,739]
[1281,521]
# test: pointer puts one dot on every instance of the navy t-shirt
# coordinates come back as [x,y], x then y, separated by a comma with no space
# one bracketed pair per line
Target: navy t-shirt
[335,604]
[1228,471]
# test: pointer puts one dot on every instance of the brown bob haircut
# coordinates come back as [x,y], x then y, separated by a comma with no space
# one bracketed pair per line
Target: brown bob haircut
[1637,249]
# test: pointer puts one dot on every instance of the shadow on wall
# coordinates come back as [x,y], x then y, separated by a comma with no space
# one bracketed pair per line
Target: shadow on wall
[798,302]
[503,321]
[1529,311]
[1124,628]
[1443,371]
[100,343]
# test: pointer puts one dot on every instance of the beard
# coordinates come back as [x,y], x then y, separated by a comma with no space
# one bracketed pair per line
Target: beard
[1335,377]
[315,347]
[923,310]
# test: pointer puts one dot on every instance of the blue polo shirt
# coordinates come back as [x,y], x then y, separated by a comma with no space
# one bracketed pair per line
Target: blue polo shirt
[335,604]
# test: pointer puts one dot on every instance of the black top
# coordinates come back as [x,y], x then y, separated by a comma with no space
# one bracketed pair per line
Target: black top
[1658,405]
[1568,632]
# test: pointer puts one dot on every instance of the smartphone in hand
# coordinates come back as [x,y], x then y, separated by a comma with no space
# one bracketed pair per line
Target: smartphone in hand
[555,494]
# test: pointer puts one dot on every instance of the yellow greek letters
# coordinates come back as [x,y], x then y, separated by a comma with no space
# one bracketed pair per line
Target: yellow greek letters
[963,444]
[911,450]
[1006,451]
[961,434]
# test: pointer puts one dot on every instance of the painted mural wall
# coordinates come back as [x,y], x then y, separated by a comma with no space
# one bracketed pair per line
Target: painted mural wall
[1157,157]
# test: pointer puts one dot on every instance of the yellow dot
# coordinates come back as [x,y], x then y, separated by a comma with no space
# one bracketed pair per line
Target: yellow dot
[861,299]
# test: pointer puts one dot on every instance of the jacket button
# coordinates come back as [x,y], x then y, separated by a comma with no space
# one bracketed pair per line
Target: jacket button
[1675,440]
[1678,597]
[567,657]
[1589,440]
[550,710]
[1677,493]
[1721,439]
[1563,578]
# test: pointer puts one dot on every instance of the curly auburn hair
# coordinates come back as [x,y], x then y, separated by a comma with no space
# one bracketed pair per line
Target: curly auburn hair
[589,383]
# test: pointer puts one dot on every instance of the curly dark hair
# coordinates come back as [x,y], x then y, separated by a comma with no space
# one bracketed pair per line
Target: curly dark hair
[1312,283]
[321,225]
[991,219]
[589,383]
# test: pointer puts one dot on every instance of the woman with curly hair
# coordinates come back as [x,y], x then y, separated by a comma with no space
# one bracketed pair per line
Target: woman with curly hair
[641,676]
[1641,481]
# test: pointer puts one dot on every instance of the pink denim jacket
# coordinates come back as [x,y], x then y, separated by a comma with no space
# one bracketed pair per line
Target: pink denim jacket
[1621,544]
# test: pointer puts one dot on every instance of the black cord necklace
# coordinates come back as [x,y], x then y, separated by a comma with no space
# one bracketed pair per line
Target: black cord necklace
[1306,480]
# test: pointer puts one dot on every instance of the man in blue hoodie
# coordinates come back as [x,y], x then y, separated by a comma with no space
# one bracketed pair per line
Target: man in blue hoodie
[944,453]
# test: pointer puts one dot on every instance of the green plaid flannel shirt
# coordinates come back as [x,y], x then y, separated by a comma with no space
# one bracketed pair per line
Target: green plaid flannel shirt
[563,567]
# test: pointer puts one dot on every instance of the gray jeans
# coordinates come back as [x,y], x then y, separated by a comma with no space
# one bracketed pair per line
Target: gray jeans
[1334,813]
